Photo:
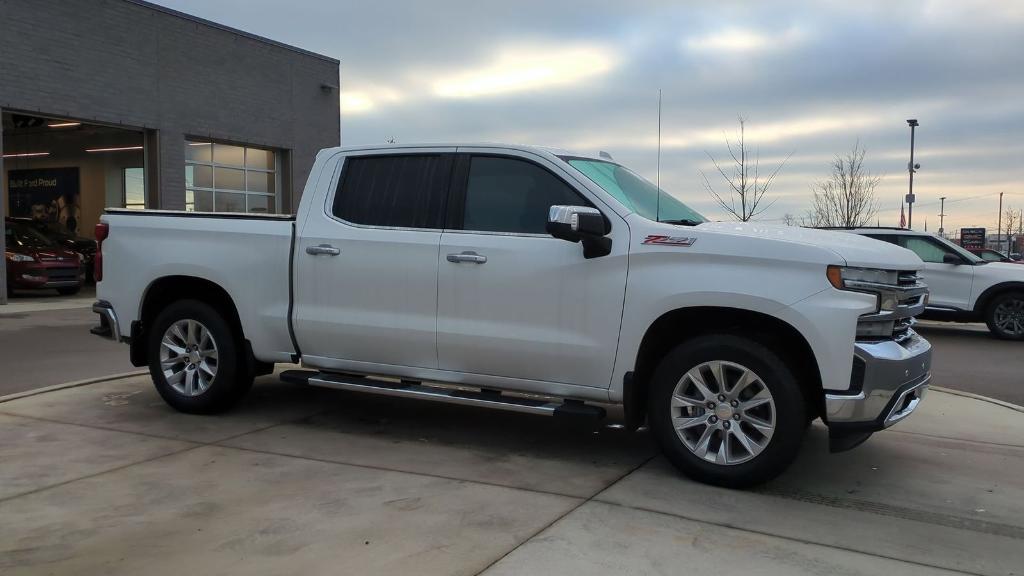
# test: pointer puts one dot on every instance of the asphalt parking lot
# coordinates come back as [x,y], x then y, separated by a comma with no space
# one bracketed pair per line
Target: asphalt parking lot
[105,478]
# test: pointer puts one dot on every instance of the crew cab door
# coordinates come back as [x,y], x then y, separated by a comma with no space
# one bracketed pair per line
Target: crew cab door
[366,263]
[949,285]
[514,302]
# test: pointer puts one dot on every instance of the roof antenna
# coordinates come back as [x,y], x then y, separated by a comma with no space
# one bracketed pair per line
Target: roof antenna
[657,208]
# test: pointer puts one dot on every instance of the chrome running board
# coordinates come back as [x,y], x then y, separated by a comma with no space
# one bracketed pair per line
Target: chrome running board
[408,389]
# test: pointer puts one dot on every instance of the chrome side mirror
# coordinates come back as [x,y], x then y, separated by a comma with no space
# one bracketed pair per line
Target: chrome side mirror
[580,224]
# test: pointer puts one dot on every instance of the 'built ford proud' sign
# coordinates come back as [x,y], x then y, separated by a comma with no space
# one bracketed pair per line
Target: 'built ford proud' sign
[46,194]
[972,238]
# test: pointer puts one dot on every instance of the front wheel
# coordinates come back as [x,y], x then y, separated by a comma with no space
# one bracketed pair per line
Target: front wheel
[726,411]
[1005,316]
[194,359]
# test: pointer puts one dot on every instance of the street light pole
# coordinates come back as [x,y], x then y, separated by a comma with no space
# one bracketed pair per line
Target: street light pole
[942,216]
[911,167]
[999,226]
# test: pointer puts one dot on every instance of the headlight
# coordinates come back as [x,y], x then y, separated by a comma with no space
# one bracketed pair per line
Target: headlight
[19,257]
[844,278]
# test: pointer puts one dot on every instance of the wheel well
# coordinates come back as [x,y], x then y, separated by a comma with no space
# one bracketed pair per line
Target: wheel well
[981,305]
[678,326]
[164,291]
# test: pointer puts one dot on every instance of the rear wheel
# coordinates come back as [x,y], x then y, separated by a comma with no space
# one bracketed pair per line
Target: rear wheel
[194,359]
[726,411]
[1005,316]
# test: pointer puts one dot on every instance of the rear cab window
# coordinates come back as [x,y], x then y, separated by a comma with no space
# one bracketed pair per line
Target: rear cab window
[395,190]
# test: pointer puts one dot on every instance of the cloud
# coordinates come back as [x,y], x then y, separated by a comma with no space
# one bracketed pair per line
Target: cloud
[527,68]
[741,40]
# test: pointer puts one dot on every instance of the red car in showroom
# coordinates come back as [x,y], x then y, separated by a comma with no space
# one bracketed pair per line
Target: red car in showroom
[35,261]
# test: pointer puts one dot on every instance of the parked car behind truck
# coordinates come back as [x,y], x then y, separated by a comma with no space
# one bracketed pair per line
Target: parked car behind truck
[964,287]
[520,269]
[34,261]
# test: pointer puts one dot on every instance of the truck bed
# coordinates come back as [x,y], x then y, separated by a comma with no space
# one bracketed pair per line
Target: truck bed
[248,255]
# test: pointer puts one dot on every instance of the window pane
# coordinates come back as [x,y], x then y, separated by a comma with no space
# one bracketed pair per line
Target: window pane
[260,204]
[925,249]
[402,191]
[508,195]
[199,151]
[229,179]
[260,182]
[230,202]
[260,159]
[198,176]
[198,201]
[231,155]
[134,188]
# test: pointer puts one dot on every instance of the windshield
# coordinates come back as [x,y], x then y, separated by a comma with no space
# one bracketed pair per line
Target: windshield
[635,193]
[18,234]
[967,254]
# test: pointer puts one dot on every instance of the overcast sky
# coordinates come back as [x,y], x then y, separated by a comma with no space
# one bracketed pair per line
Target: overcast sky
[810,78]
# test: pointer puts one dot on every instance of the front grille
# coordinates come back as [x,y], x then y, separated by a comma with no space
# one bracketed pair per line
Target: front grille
[61,274]
[899,304]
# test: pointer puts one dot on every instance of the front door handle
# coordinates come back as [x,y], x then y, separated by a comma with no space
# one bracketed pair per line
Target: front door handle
[323,249]
[467,257]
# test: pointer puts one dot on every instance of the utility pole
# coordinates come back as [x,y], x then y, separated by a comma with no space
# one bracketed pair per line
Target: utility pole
[942,216]
[999,226]
[911,167]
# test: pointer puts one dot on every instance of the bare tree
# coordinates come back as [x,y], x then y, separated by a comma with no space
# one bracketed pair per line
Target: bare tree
[847,197]
[1010,215]
[789,220]
[746,188]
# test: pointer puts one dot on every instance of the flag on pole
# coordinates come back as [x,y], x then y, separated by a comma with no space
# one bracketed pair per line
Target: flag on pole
[903,217]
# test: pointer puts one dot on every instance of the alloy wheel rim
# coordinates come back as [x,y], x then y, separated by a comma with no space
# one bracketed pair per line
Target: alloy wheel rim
[723,412]
[1009,317]
[188,357]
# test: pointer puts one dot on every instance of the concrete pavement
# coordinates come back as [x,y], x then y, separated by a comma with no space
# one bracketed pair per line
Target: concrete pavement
[106,479]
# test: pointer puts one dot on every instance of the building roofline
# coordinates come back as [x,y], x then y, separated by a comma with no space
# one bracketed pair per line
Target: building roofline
[225,28]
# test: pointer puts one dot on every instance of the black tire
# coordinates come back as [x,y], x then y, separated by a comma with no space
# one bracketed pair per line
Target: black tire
[790,412]
[1013,299]
[232,379]
[69,291]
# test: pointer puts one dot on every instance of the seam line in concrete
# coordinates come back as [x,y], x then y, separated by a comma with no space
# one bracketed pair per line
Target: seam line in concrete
[952,439]
[544,528]
[974,396]
[196,446]
[72,384]
[397,470]
[783,537]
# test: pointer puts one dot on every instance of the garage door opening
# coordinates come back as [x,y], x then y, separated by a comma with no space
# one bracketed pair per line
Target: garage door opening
[65,172]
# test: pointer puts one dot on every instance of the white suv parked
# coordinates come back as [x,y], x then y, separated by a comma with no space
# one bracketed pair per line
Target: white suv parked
[964,287]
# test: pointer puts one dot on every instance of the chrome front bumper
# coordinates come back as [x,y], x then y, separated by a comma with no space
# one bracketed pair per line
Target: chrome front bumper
[893,378]
[108,327]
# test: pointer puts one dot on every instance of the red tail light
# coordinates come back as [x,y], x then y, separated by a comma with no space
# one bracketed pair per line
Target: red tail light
[102,231]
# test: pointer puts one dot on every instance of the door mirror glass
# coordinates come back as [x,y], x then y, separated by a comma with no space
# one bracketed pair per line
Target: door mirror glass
[580,224]
[948,258]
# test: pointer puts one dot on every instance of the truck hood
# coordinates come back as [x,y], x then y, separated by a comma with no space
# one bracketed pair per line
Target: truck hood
[858,251]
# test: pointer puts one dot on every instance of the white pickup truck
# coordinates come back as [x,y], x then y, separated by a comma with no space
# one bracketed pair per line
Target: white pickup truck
[531,280]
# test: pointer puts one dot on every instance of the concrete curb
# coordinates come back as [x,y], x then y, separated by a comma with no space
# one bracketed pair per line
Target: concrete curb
[73,384]
[973,396]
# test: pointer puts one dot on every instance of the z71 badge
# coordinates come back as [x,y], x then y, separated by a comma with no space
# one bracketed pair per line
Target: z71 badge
[669,240]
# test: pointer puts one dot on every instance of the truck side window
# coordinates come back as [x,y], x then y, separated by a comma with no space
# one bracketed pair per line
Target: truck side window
[403,191]
[510,195]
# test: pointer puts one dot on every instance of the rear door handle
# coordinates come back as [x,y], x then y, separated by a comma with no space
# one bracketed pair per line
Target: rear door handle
[323,249]
[467,257]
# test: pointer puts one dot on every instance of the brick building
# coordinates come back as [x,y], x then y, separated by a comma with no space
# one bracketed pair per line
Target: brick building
[126,103]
